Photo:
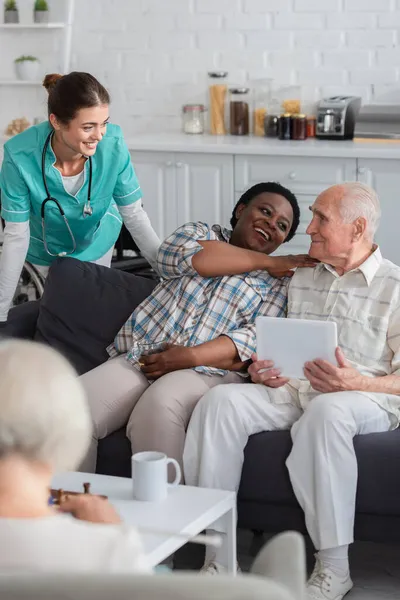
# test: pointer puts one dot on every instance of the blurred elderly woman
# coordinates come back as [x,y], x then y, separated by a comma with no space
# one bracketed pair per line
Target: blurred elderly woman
[45,427]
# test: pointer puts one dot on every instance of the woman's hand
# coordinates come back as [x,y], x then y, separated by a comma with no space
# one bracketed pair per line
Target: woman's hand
[172,358]
[90,508]
[281,266]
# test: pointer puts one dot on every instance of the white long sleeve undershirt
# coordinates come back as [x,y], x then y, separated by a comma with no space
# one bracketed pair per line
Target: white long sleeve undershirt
[12,258]
[16,244]
[138,224]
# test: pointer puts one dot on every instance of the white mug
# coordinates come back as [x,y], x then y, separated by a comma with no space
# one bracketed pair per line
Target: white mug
[150,475]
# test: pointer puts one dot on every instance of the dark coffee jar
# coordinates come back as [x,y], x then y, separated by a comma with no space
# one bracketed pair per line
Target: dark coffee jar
[285,126]
[239,111]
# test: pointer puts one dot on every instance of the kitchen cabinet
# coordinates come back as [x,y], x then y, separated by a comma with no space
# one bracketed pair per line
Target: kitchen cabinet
[306,177]
[384,176]
[181,187]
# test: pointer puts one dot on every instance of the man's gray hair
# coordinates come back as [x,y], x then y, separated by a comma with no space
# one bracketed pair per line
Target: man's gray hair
[44,415]
[360,200]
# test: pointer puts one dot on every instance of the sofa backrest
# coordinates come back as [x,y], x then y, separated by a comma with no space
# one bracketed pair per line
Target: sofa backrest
[83,307]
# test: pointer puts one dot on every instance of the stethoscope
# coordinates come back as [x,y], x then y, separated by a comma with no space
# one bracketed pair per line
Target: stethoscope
[87,209]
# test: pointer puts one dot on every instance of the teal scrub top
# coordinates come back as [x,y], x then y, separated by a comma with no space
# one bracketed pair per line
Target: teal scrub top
[114,183]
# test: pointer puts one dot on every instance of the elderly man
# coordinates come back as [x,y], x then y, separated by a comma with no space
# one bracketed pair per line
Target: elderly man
[360,291]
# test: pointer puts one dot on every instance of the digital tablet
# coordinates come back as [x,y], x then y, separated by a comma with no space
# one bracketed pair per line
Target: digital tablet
[292,342]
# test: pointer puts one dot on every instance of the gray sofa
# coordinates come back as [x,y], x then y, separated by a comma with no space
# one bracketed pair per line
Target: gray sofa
[83,307]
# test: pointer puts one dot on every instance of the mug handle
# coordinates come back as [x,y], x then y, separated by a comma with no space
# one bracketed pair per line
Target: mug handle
[178,477]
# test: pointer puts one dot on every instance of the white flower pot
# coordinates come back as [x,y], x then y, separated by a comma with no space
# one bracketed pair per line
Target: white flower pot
[27,70]
[41,16]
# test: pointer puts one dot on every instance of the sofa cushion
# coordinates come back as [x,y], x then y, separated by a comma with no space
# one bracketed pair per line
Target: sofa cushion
[265,478]
[83,307]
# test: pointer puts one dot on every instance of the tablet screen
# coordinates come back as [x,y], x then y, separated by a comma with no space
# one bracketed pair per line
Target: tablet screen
[292,342]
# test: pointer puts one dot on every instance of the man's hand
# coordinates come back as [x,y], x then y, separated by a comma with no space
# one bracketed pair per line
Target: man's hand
[325,377]
[90,508]
[262,371]
[281,266]
[172,358]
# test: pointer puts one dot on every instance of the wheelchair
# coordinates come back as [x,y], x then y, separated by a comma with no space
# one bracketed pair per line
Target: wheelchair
[31,283]
[127,258]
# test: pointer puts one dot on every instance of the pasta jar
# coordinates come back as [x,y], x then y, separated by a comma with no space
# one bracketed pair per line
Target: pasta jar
[193,118]
[239,111]
[217,94]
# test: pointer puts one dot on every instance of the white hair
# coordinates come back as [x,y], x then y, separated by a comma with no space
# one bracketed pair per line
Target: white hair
[44,415]
[360,200]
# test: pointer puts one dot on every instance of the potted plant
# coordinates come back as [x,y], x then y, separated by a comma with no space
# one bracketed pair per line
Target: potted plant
[41,11]
[10,12]
[26,68]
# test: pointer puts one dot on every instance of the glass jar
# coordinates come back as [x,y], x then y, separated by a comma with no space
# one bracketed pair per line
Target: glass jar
[299,127]
[290,97]
[217,100]
[311,126]
[285,126]
[239,111]
[271,125]
[193,118]
[262,100]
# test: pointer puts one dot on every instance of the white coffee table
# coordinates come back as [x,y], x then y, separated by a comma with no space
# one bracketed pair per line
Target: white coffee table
[186,511]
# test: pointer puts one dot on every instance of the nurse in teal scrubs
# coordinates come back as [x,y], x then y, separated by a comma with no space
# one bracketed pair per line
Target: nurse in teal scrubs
[67,185]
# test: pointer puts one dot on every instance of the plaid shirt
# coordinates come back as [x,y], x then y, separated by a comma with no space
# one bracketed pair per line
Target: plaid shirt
[187,309]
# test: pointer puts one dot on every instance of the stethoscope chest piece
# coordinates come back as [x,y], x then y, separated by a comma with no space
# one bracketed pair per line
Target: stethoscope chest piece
[87,210]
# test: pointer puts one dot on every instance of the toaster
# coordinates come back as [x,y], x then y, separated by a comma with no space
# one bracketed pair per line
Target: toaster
[336,117]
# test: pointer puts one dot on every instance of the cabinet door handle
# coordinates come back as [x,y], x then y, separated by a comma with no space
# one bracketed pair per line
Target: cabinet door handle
[179,165]
[361,170]
[292,175]
[168,163]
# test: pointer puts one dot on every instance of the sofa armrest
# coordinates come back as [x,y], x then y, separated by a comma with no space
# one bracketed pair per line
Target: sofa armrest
[21,322]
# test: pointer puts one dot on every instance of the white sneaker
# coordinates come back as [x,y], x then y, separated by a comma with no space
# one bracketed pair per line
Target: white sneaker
[324,584]
[214,568]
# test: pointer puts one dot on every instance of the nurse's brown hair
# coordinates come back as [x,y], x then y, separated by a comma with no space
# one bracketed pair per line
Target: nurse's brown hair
[69,93]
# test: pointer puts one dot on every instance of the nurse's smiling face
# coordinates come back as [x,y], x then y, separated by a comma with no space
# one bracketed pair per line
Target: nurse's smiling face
[81,135]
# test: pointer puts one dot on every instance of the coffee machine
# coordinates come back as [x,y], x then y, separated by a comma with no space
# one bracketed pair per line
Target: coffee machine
[336,117]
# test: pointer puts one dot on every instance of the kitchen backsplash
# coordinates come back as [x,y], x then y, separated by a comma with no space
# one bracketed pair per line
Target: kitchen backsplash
[154,55]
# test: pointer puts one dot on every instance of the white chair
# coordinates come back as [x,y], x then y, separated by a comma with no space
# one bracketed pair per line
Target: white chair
[283,559]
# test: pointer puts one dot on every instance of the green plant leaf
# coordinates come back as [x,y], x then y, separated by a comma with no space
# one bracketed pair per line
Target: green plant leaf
[10,5]
[41,5]
[24,58]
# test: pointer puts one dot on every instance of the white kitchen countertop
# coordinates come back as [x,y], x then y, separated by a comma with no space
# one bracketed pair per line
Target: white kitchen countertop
[180,142]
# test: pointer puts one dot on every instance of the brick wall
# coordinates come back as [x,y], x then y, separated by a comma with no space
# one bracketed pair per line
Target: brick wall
[154,54]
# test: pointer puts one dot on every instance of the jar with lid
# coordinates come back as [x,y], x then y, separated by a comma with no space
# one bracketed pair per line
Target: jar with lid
[285,122]
[193,118]
[262,100]
[239,110]
[299,127]
[217,99]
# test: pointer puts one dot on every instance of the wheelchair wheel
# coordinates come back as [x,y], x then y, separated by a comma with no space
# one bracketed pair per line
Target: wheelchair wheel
[30,285]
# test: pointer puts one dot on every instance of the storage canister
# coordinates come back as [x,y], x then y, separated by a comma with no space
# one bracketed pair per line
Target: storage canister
[217,95]
[239,111]
[193,118]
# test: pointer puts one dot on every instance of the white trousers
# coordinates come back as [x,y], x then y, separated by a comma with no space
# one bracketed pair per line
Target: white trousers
[322,465]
